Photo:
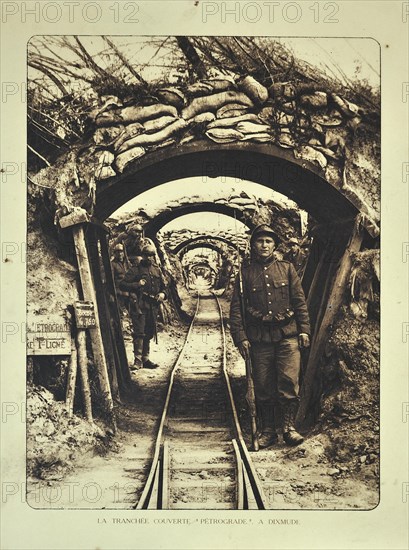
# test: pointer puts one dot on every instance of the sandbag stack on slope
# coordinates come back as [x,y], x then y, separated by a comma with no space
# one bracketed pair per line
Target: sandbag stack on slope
[317,126]
[227,110]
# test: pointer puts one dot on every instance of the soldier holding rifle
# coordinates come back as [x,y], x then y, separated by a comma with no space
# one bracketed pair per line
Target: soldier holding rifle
[146,286]
[270,324]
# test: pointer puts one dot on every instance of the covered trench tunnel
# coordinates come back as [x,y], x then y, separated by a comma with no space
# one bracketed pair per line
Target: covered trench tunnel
[336,235]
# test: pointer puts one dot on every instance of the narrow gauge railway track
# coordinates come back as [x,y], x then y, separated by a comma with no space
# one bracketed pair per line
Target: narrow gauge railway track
[200,459]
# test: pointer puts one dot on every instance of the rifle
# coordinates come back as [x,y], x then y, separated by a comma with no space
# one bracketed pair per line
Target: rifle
[152,300]
[250,395]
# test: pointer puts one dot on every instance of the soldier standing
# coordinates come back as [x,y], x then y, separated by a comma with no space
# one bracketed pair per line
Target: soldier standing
[144,282]
[296,255]
[118,272]
[133,241]
[275,327]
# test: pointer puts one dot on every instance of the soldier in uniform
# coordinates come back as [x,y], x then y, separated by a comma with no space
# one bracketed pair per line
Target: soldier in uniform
[144,282]
[296,255]
[118,272]
[275,327]
[133,241]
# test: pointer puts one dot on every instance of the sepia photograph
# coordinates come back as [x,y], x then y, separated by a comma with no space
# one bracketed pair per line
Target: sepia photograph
[203,273]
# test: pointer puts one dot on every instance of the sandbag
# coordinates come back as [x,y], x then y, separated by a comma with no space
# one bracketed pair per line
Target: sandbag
[122,160]
[345,107]
[214,102]
[104,159]
[106,136]
[172,96]
[286,141]
[261,137]
[318,100]
[199,89]
[107,102]
[129,131]
[255,91]
[152,126]
[220,83]
[267,113]
[232,121]
[105,172]
[153,139]
[312,155]
[135,113]
[203,117]
[332,119]
[224,135]
[247,127]
[231,110]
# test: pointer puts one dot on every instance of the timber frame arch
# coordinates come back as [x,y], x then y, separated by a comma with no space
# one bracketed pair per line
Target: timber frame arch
[158,222]
[266,164]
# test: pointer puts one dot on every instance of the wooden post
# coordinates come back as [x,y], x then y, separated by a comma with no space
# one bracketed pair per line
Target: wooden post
[95,333]
[83,368]
[71,379]
[102,308]
[334,302]
[115,314]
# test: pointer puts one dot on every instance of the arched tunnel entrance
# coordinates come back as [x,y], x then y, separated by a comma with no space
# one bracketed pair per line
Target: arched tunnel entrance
[337,234]
[215,274]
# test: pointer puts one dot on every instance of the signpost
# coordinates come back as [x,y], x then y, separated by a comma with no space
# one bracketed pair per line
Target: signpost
[49,335]
[85,314]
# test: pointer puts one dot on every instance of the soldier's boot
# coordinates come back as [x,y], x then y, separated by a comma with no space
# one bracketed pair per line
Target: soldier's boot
[146,362]
[267,435]
[137,351]
[290,434]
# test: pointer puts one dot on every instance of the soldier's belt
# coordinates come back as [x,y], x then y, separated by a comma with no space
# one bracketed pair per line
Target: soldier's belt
[279,319]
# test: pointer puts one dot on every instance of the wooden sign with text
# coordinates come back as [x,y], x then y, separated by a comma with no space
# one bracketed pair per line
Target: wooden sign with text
[48,335]
[84,314]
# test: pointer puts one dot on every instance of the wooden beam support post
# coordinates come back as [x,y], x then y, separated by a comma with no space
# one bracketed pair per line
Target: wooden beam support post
[83,368]
[115,314]
[334,303]
[71,379]
[95,333]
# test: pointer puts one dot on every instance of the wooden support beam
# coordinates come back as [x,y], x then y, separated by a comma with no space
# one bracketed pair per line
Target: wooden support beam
[95,333]
[334,303]
[103,309]
[83,368]
[71,379]
[115,314]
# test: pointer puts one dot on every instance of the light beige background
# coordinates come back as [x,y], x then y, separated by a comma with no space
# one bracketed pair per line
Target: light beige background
[383,528]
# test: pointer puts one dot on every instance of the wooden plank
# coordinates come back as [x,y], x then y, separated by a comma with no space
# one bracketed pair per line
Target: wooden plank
[115,314]
[333,305]
[71,379]
[83,368]
[239,478]
[88,292]
[103,309]
[204,466]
